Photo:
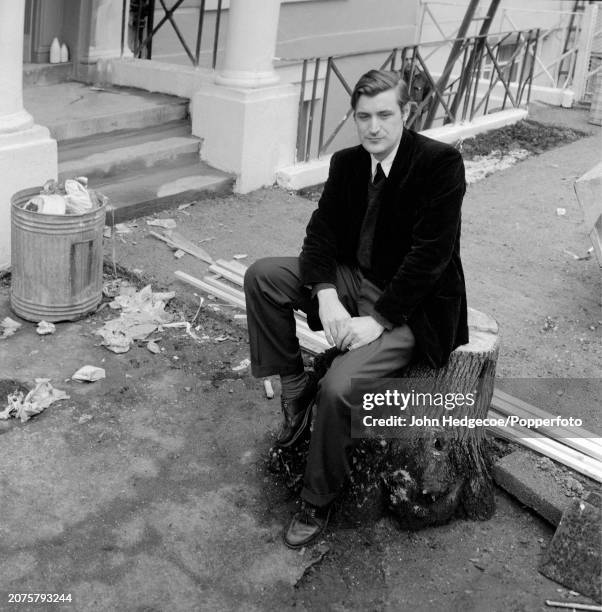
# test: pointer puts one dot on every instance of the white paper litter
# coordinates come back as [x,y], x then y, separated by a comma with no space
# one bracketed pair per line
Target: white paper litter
[185,324]
[141,313]
[239,256]
[244,364]
[561,212]
[8,327]
[153,347]
[38,399]
[89,373]
[164,223]
[44,328]
[269,390]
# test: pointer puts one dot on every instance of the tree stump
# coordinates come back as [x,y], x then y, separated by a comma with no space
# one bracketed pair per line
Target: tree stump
[430,474]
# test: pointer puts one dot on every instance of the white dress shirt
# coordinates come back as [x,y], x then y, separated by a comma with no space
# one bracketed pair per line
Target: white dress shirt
[385,163]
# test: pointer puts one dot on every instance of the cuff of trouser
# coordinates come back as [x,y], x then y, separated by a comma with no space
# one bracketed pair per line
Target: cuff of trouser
[317,500]
[261,370]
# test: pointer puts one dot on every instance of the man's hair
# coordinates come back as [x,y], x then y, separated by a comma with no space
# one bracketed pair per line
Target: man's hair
[376,81]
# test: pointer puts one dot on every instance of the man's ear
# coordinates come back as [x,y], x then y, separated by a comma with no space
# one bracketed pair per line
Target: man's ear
[405,111]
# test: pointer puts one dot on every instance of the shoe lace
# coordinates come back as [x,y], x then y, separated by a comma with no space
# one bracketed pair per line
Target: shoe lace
[308,511]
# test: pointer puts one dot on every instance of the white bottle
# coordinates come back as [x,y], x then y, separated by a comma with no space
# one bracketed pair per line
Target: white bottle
[64,53]
[55,51]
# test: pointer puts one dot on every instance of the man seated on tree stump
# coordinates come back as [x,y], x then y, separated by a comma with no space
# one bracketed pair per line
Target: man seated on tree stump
[379,272]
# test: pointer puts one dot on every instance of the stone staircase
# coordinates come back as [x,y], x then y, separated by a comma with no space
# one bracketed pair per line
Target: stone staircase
[134,146]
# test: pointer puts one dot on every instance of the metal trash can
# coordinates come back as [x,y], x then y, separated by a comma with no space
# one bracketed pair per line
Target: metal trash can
[56,261]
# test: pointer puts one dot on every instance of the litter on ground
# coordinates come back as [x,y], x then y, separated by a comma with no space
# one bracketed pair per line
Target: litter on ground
[141,313]
[8,327]
[269,390]
[153,347]
[89,373]
[243,365]
[44,328]
[38,399]
[164,223]
[123,228]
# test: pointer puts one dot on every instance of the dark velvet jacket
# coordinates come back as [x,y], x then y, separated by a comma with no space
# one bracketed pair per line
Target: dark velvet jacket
[416,249]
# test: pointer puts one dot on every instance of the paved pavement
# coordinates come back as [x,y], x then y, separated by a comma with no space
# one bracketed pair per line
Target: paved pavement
[146,491]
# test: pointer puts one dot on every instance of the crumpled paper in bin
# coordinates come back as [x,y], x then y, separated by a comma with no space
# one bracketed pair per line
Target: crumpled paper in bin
[38,399]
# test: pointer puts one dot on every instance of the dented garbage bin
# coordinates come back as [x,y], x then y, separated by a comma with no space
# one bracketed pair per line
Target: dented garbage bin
[56,261]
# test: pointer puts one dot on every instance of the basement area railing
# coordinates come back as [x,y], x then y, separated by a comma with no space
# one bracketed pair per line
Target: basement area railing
[481,74]
[141,29]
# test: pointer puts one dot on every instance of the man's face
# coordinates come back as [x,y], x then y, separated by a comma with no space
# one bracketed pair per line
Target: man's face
[379,122]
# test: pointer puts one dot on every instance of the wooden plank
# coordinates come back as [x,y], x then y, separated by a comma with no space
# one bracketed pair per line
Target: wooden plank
[177,241]
[207,288]
[316,340]
[576,437]
[503,398]
[309,341]
[234,266]
[228,274]
[237,295]
[550,448]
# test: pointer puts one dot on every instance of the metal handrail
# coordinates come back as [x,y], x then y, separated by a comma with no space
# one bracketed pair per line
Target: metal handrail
[143,12]
[461,99]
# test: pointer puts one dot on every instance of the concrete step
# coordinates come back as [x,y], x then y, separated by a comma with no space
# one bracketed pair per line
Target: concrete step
[75,110]
[36,75]
[112,154]
[153,189]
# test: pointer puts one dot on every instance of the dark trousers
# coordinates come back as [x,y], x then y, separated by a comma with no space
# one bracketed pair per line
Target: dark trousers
[273,289]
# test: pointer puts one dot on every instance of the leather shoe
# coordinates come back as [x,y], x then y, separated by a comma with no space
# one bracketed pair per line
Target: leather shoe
[296,414]
[306,525]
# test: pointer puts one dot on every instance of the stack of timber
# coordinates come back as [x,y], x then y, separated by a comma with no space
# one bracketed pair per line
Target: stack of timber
[574,447]
[225,282]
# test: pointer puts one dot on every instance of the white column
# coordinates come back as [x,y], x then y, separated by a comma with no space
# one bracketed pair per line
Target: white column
[105,41]
[250,44]
[247,120]
[13,117]
[28,155]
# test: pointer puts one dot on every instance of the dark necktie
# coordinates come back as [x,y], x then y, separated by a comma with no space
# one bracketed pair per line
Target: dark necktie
[379,175]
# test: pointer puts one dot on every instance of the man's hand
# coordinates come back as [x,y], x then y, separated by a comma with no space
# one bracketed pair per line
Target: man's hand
[333,314]
[359,331]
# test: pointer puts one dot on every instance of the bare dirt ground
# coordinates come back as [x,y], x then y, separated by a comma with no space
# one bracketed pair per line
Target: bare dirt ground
[548,305]
[181,512]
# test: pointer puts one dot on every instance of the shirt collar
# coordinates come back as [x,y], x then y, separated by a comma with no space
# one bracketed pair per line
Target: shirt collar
[385,163]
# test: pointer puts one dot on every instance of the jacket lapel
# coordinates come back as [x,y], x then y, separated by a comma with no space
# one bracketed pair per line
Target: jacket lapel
[358,182]
[401,164]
